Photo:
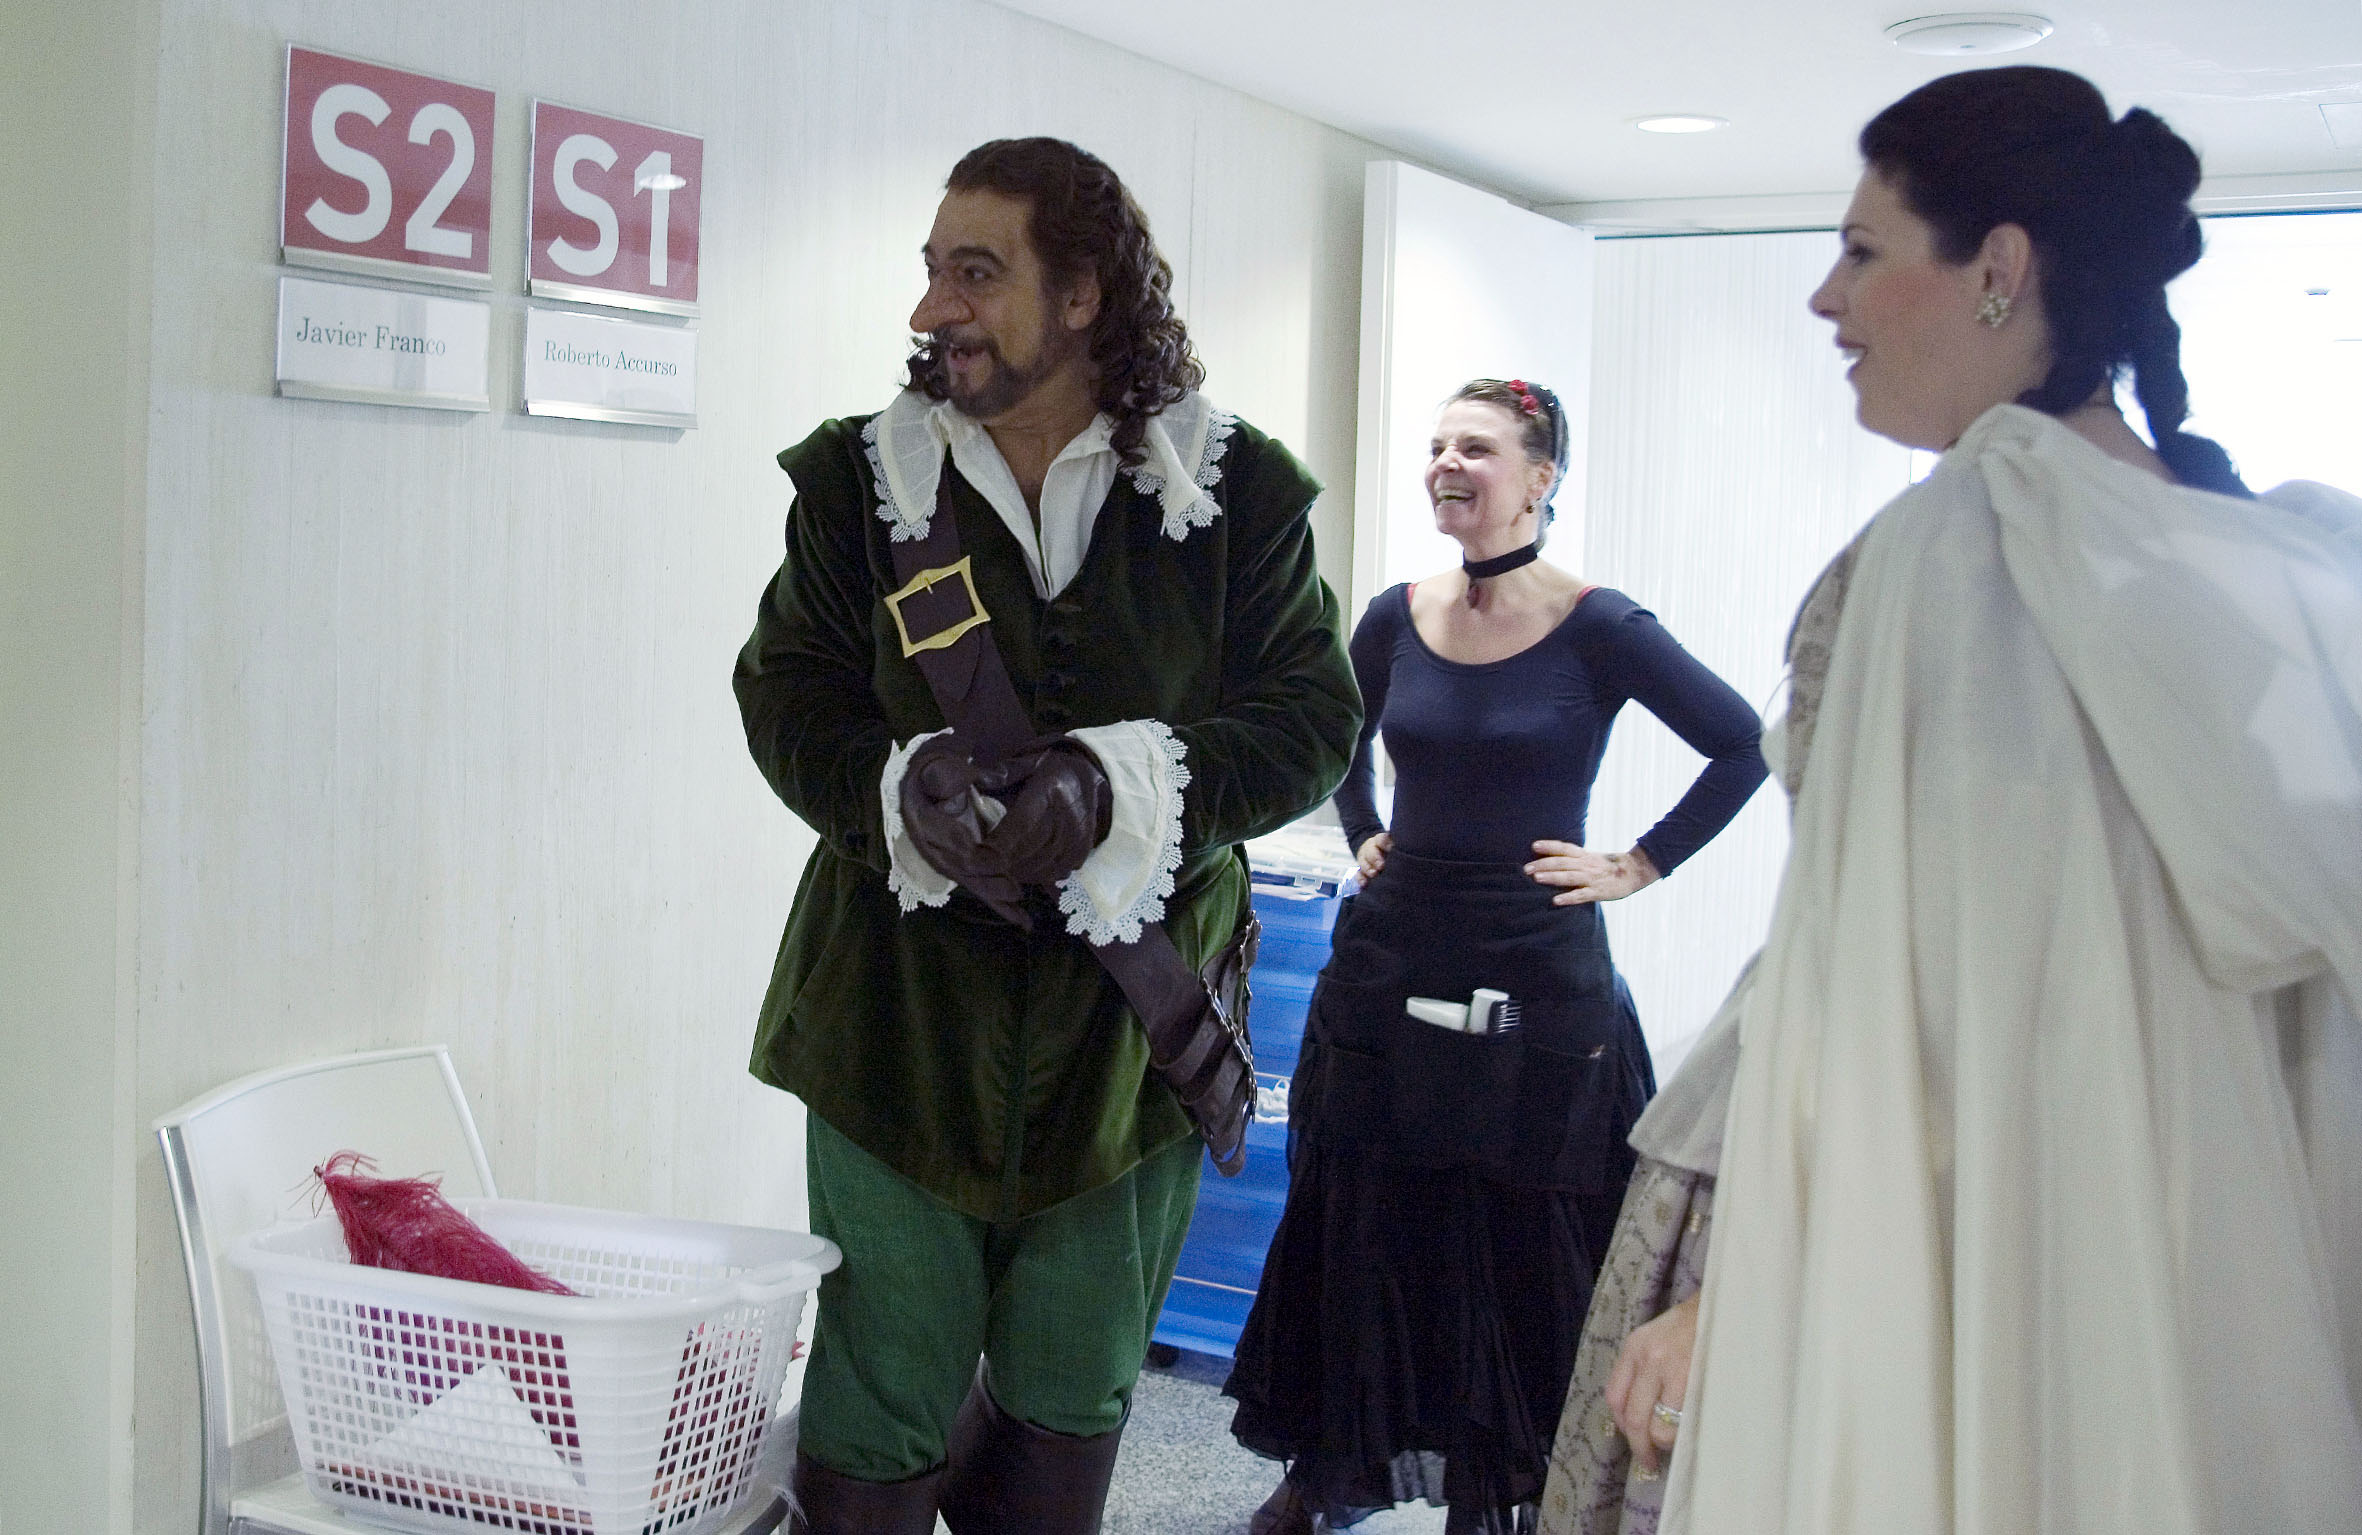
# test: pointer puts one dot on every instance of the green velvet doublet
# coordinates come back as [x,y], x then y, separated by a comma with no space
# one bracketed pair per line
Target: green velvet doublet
[1000,1070]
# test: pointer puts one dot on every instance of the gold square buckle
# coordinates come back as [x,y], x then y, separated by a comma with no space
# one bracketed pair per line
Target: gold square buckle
[926,581]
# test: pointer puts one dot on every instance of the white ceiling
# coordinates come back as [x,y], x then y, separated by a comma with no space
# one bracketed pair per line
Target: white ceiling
[1535,98]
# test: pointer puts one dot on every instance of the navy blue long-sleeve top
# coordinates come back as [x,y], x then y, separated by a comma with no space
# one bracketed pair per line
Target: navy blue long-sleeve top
[1490,757]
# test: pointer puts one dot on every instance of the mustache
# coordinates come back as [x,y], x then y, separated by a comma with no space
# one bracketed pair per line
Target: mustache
[944,340]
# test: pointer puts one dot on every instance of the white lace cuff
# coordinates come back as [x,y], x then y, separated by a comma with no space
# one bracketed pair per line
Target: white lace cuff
[1125,881]
[914,881]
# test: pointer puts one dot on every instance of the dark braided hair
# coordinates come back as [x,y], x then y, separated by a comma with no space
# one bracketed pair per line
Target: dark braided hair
[1085,223]
[2106,203]
[1542,431]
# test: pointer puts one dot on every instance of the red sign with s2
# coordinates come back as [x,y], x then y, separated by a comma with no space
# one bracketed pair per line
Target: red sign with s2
[614,211]
[386,169]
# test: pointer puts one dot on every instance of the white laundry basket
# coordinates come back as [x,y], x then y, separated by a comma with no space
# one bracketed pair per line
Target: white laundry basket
[636,1407]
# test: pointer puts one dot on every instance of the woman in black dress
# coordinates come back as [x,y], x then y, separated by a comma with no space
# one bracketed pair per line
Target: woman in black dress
[1453,1186]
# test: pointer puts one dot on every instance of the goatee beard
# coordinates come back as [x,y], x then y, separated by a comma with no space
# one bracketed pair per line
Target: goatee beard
[1006,387]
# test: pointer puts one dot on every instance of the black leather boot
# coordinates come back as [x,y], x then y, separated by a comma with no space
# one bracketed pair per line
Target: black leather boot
[1004,1476]
[831,1503]
[1284,1513]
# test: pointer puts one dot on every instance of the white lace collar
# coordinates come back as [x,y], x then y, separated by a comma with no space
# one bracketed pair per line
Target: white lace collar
[1181,463]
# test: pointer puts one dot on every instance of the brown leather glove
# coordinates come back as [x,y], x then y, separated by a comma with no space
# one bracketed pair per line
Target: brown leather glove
[943,820]
[1059,808]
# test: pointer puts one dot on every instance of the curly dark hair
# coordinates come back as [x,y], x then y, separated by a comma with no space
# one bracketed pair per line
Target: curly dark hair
[2106,203]
[1085,222]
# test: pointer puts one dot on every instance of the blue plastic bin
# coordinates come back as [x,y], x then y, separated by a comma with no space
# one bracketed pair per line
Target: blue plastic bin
[1222,1259]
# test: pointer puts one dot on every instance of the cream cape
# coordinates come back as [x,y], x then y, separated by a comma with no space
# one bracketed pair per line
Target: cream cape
[2041,1189]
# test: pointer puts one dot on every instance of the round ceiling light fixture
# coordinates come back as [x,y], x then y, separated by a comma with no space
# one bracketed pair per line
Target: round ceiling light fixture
[1680,122]
[1959,32]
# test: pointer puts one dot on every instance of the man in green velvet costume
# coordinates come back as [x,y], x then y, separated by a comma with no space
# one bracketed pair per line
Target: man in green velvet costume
[1009,1179]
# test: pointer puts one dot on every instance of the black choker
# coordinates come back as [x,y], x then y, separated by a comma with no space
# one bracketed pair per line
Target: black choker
[1501,564]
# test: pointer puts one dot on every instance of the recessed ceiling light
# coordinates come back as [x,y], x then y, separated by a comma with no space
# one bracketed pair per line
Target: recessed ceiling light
[1680,122]
[1959,32]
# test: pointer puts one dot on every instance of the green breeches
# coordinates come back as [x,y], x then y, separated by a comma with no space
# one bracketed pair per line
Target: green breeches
[1062,1303]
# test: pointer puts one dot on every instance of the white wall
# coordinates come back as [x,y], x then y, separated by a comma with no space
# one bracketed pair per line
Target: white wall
[1457,283]
[1726,469]
[423,719]
[2272,346]
[74,186]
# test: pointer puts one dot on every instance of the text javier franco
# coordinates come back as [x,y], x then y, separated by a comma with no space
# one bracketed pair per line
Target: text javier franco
[372,338]
[380,346]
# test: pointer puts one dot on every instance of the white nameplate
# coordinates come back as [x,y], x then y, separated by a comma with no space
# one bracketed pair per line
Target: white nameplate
[380,346]
[596,369]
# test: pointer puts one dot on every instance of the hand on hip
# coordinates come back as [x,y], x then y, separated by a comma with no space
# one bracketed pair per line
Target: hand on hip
[1582,875]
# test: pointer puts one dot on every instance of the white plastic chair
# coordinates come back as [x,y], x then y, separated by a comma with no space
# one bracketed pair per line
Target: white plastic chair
[241,1158]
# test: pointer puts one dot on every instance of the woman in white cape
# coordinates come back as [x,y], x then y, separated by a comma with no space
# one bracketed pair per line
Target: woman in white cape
[2040,1188]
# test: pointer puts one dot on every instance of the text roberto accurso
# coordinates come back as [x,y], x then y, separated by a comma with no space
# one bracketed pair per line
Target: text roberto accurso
[619,361]
[383,338]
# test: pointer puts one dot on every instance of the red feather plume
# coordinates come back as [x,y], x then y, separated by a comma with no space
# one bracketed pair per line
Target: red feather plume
[406,1224]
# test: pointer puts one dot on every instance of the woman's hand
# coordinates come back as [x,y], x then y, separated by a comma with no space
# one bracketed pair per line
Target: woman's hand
[1372,855]
[1653,1371]
[1589,876]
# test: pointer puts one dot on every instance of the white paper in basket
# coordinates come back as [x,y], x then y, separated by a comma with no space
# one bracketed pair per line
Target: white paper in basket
[481,1435]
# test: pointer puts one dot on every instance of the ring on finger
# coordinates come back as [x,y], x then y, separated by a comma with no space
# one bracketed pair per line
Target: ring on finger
[1669,1416]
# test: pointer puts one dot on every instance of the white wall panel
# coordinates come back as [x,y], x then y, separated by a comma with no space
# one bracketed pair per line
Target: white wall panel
[74,242]
[439,740]
[1726,469]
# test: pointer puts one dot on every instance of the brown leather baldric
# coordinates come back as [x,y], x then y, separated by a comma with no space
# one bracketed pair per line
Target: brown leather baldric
[1196,1022]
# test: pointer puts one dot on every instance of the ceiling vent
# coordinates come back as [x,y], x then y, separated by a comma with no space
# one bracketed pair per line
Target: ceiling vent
[1963,32]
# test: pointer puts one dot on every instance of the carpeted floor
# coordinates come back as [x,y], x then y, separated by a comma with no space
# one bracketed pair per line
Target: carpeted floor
[1180,1472]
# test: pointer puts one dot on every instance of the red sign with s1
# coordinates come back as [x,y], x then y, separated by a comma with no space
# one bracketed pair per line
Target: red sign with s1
[614,211]
[385,170]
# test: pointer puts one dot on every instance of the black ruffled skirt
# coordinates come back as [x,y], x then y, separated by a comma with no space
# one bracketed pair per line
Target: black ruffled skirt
[1450,1196]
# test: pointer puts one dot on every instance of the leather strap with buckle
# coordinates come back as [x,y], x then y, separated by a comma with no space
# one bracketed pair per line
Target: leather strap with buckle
[1196,1023]
[939,617]
[952,645]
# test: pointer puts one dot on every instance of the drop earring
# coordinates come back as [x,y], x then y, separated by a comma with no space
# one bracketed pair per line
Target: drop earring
[1994,311]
